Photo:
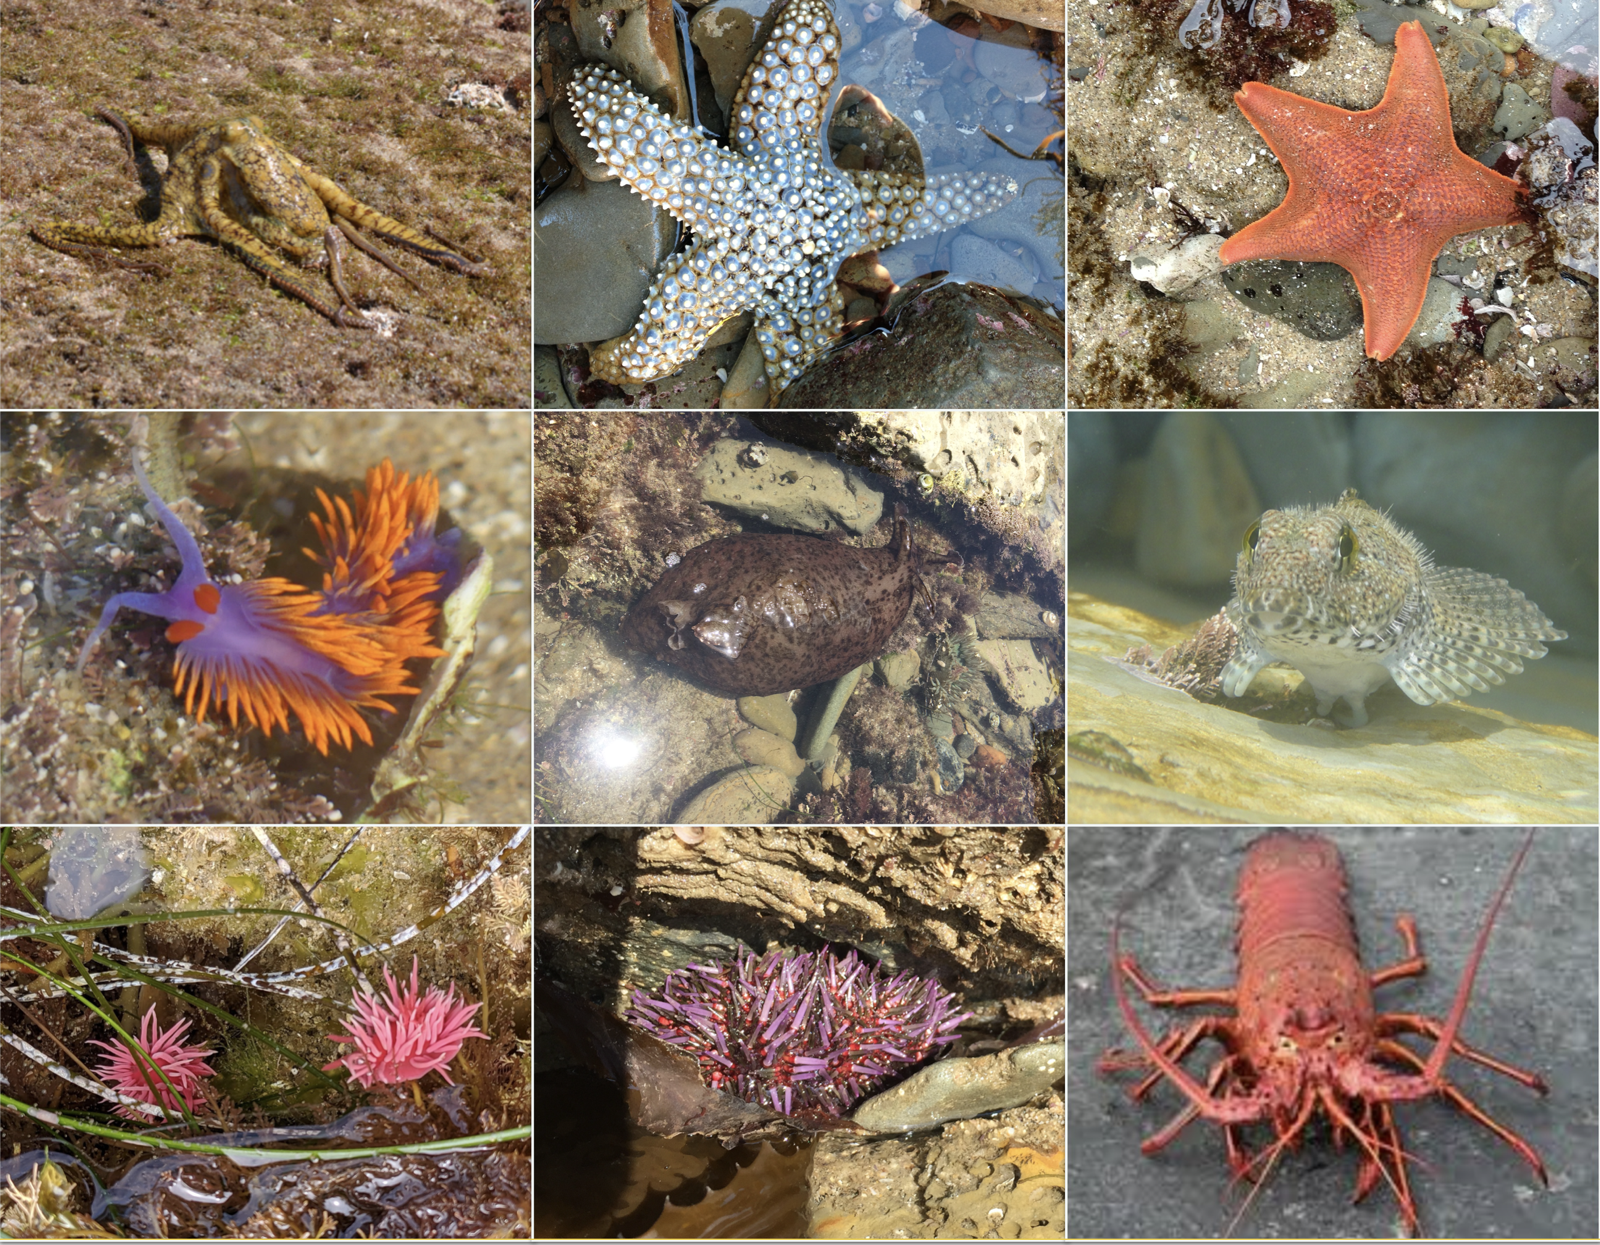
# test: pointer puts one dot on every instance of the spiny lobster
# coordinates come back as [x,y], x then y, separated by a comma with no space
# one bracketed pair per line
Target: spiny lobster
[1305,1034]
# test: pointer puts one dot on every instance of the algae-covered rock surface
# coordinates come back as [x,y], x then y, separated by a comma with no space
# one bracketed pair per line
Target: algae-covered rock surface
[1144,752]
[361,94]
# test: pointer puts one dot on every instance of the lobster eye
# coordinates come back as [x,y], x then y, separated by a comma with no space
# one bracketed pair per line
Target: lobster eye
[1252,536]
[1348,547]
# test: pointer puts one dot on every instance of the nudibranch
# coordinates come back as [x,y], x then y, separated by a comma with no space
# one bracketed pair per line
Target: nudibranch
[268,646]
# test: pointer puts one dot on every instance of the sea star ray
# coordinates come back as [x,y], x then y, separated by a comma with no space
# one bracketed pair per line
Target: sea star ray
[772,218]
[1377,192]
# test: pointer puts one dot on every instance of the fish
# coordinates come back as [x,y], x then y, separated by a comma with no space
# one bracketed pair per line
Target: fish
[755,614]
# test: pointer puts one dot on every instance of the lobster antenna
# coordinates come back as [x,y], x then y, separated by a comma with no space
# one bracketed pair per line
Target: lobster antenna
[1458,1009]
[1271,1154]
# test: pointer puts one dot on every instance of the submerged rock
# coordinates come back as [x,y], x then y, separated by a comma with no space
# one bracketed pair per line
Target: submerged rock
[1452,762]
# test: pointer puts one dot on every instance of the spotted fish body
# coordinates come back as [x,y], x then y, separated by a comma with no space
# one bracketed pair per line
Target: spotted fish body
[751,615]
[1351,600]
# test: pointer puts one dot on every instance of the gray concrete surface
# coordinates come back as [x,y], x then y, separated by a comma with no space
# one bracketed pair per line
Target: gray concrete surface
[1534,1004]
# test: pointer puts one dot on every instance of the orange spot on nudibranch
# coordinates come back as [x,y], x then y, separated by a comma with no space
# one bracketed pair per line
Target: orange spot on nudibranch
[207,597]
[185,630]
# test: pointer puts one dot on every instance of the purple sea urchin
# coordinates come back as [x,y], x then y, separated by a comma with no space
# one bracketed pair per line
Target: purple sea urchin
[799,1031]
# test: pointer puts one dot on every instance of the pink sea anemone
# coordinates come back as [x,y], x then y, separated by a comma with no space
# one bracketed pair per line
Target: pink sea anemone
[405,1035]
[184,1065]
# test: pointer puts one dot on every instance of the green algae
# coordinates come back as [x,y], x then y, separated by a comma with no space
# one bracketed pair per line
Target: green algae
[246,888]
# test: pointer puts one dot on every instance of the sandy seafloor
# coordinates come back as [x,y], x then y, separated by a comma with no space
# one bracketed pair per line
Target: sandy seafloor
[1140,126]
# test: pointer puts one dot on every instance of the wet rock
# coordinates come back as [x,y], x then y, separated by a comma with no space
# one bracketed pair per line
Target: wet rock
[1198,500]
[1007,456]
[958,1089]
[1518,115]
[1011,65]
[747,388]
[788,488]
[764,748]
[1501,332]
[951,771]
[982,260]
[1567,97]
[1454,762]
[1012,616]
[1034,218]
[965,745]
[597,246]
[1020,671]
[826,714]
[548,391]
[1379,20]
[990,757]
[1504,38]
[1441,312]
[644,47]
[899,669]
[960,346]
[770,713]
[752,796]
[1045,14]
[1177,269]
[728,34]
[1319,300]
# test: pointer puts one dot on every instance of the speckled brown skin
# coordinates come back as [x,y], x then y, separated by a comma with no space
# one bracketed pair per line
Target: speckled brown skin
[752,615]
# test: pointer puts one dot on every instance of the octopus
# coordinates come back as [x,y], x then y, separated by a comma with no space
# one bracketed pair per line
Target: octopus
[231,182]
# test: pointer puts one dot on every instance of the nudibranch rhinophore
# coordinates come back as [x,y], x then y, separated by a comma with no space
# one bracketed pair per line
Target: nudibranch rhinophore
[751,615]
[268,646]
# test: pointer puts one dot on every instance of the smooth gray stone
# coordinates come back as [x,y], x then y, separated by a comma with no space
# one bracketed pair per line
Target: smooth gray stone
[958,1089]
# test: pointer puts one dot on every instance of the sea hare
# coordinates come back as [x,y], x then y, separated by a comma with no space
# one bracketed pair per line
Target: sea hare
[751,615]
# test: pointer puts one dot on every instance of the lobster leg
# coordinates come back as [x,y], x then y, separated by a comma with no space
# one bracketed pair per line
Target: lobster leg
[1379,1140]
[1415,963]
[1472,1110]
[1245,1109]
[1161,1139]
[1388,1134]
[1157,997]
[1174,1045]
[1390,1023]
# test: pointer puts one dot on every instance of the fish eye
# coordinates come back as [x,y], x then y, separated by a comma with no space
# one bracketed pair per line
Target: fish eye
[1349,546]
[1252,536]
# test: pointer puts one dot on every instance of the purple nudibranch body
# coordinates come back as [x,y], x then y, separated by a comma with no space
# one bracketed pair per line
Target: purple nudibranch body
[799,1031]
